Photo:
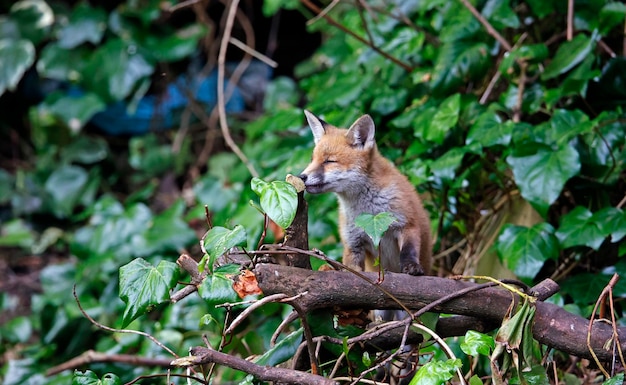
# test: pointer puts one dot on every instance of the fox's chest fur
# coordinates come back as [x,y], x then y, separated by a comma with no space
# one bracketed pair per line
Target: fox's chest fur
[348,163]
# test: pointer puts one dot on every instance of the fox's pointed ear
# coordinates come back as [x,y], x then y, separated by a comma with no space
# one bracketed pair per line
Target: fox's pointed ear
[361,133]
[316,124]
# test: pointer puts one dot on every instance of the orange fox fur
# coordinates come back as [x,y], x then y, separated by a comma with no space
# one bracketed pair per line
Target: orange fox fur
[347,162]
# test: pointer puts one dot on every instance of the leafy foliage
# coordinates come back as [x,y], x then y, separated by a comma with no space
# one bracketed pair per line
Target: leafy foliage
[520,151]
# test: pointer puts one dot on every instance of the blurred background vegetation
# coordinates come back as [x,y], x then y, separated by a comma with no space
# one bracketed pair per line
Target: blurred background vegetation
[506,115]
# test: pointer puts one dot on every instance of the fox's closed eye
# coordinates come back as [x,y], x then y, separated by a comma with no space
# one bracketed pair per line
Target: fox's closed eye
[329,161]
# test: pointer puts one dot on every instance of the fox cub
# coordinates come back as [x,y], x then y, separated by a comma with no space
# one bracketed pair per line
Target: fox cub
[347,162]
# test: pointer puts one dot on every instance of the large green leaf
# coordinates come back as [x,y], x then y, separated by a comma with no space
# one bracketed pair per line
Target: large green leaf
[34,19]
[115,69]
[217,288]
[73,110]
[476,343]
[282,351]
[86,24]
[541,177]
[279,200]
[489,130]
[524,250]
[219,240]
[445,118]
[500,14]
[569,55]
[457,62]
[90,378]
[612,14]
[65,186]
[168,231]
[143,286]
[581,227]
[436,372]
[375,225]
[17,57]
[62,64]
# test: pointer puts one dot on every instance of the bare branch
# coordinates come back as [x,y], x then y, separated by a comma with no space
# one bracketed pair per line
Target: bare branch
[201,355]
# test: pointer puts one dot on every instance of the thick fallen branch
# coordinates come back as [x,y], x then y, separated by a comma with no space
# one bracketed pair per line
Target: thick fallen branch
[201,355]
[553,327]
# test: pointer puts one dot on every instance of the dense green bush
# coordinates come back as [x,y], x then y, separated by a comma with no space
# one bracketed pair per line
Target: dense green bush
[517,142]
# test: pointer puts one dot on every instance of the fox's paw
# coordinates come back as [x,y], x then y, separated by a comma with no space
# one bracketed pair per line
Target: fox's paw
[412,268]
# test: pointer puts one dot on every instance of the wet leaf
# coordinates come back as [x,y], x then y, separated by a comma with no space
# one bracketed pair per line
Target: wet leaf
[17,57]
[86,24]
[375,225]
[279,200]
[569,55]
[217,288]
[65,186]
[581,227]
[476,343]
[436,372]
[541,177]
[219,240]
[143,286]
[524,250]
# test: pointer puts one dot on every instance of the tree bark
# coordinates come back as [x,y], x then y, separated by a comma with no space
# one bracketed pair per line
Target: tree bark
[553,326]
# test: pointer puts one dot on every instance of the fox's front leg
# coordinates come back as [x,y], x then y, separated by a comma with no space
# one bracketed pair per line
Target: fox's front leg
[354,257]
[410,243]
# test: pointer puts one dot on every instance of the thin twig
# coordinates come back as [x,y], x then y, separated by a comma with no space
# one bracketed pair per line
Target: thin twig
[250,309]
[570,20]
[113,330]
[334,23]
[492,31]
[221,102]
[323,12]
[251,51]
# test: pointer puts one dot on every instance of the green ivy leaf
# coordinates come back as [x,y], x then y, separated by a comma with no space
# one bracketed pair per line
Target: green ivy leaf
[525,250]
[445,118]
[436,372]
[15,233]
[34,19]
[86,24]
[143,286]
[500,14]
[282,351]
[375,225]
[458,61]
[488,130]
[217,288]
[476,343]
[618,379]
[613,222]
[17,57]
[581,227]
[90,378]
[611,14]
[541,177]
[219,240]
[115,69]
[569,55]
[74,111]
[168,230]
[65,186]
[279,200]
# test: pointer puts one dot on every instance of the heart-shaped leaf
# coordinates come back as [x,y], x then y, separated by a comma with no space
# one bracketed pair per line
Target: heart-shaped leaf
[375,225]
[476,343]
[17,57]
[279,200]
[524,250]
[541,177]
[143,286]
[581,227]
[219,240]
